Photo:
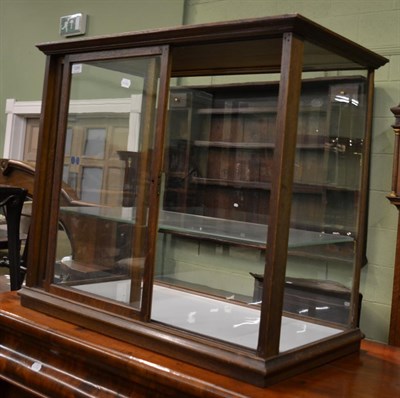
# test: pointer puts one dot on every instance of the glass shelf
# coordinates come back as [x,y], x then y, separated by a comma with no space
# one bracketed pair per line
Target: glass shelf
[244,233]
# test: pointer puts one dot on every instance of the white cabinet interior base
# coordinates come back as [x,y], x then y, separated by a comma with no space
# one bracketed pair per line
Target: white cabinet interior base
[220,319]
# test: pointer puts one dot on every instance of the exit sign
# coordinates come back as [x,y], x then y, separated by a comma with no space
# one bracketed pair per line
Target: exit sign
[73,25]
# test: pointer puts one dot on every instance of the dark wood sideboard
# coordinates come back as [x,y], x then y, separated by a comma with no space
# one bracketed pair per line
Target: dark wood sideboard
[41,356]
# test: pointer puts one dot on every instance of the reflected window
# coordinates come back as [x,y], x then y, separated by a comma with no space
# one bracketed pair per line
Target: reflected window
[91,184]
[95,142]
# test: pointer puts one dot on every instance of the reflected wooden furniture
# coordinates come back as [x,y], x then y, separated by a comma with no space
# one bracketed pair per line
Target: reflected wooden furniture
[131,160]
[12,201]
[221,144]
[47,357]
[17,173]
[394,197]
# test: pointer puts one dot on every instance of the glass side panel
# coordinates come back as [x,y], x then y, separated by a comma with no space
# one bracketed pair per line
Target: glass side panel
[214,216]
[215,207]
[106,172]
[326,198]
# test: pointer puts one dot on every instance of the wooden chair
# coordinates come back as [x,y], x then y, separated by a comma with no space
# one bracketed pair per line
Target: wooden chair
[12,201]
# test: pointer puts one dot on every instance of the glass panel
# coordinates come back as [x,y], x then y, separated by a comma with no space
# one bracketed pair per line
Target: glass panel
[326,199]
[108,160]
[215,212]
[213,222]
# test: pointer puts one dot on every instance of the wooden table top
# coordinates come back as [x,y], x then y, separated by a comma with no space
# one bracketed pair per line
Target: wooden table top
[124,370]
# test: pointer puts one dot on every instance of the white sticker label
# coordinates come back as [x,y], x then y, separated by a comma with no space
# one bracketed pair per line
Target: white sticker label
[126,83]
[76,68]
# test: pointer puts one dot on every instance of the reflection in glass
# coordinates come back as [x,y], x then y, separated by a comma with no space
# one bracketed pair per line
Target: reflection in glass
[213,223]
[68,141]
[92,178]
[95,142]
[214,211]
[319,279]
[108,237]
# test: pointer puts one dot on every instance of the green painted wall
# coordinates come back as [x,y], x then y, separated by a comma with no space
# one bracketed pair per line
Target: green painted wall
[24,23]
[372,23]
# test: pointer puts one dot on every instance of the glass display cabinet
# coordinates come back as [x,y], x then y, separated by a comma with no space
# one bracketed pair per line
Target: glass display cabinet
[222,220]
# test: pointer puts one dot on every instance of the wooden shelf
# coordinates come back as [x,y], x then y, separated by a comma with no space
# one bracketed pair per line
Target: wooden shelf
[242,110]
[234,145]
[237,110]
[297,187]
[257,145]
